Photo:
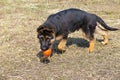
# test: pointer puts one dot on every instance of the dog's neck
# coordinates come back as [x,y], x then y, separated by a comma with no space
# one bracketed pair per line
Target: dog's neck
[52,26]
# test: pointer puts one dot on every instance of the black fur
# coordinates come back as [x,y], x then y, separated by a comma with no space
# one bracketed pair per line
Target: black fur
[105,25]
[70,20]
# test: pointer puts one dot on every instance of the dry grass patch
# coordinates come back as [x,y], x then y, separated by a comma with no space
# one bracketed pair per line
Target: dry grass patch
[19,45]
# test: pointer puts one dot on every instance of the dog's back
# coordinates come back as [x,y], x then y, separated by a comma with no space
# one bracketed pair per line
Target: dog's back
[70,19]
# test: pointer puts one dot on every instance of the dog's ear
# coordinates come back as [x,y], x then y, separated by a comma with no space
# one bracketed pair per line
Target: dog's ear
[50,30]
[40,28]
[43,28]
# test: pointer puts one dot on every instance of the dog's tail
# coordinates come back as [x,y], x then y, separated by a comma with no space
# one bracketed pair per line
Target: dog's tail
[105,25]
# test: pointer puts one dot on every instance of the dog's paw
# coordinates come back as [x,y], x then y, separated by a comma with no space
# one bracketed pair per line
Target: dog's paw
[40,54]
[45,60]
[104,43]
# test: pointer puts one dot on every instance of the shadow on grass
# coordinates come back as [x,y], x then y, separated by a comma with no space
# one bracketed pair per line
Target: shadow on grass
[80,42]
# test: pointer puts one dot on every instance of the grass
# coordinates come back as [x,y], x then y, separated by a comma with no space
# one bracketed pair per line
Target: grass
[19,45]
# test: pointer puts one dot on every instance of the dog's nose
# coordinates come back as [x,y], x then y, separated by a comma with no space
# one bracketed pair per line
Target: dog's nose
[44,48]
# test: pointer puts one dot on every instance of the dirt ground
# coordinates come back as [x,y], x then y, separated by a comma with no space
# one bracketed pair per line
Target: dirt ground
[19,44]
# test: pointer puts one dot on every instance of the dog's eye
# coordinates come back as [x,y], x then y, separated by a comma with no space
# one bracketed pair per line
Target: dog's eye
[49,37]
[40,36]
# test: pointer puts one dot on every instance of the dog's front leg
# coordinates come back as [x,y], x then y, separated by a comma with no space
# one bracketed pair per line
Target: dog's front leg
[62,45]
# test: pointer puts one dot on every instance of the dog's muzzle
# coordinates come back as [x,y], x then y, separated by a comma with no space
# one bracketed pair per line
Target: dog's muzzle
[43,48]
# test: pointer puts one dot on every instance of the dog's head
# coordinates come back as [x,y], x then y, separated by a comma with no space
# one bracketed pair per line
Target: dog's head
[46,37]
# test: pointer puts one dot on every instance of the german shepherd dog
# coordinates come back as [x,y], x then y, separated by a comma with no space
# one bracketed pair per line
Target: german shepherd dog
[59,25]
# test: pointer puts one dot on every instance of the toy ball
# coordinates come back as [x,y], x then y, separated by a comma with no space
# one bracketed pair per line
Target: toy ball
[47,53]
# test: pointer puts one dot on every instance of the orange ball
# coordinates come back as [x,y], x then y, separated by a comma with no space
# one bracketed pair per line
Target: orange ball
[47,53]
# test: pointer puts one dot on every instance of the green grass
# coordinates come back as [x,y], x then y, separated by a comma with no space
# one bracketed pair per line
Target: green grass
[19,45]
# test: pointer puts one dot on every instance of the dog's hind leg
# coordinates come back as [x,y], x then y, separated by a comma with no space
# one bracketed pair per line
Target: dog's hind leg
[102,32]
[91,45]
[105,36]
[90,36]
[91,41]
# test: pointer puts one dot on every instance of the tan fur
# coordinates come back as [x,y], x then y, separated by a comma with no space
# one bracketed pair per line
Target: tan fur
[62,44]
[92,44]
[53,40]
[59,37]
